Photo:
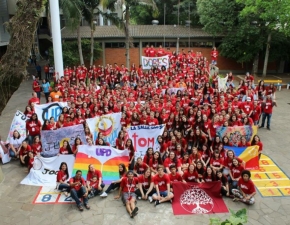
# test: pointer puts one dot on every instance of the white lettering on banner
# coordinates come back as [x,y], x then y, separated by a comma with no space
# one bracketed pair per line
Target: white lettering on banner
[45,111]
[149,62]
[109,125]
[145,136]
[172,90]
[5,157]
[44,170]
[19,124]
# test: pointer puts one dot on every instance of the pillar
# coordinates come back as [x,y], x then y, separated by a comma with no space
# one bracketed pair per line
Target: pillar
[140,52]
[101,19]
[104,53]
[56,36]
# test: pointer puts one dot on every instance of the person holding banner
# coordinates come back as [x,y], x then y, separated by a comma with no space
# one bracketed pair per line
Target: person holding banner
[33,128]
[62,179]
[79,190]
[14,144]
[77,142]
[127,188]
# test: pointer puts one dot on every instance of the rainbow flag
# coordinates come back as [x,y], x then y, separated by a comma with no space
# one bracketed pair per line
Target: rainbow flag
[248,154]
[104,158]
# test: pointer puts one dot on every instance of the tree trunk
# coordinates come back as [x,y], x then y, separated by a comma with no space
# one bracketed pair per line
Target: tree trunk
[256,65]
[127,33]
[80,46]
[22,27]
[92,44]
[267,54]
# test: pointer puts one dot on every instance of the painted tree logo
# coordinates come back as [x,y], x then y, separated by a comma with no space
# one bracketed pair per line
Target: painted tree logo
[196,200]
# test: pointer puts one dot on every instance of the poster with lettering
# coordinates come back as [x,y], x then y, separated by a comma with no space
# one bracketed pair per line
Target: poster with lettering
[45,111]
[44,170]
[104,158]
[52,140]
[144,136]
[19,124]
[149,62]
[109,125]
[4,152]
[172,90]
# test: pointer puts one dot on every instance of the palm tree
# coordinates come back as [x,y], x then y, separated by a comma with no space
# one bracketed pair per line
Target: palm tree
[73,11]
[111,4]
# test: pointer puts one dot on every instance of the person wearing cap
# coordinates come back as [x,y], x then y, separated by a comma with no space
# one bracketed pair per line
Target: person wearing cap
[127,190]
[55,94]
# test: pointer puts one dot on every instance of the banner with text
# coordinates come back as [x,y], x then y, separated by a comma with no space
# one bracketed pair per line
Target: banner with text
[44,170]
[45,111]
[19,124]
[4,152]
[104,158]
[144,136]
[109,125]
[149,62]
[172,90]
[52,140]
[235,133]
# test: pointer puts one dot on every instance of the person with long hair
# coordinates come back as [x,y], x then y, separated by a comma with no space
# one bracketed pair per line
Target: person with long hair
[200,169]
[209,175]
[225,188]
[256,141]
[154,162]
[127,189]
[116,184]
[184,161]
[162,144]
[60,122]
[120,141]
[148,155]
[235,173]
[33,128]
[94,181]
[190,175]
[36,146]
[205,155]
[216,162]
[228,161]
[62,179]
[172,160]
[65,148]
[78,190]
[129,146]
[145,186]
[195,156]
[77,142]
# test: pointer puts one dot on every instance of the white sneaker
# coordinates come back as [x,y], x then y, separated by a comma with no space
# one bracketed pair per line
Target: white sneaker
[104,194]
[150,199]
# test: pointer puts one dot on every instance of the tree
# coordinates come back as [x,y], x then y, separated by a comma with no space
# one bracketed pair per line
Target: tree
[123,23]
[72,11]
[70,51]
[22,27]
[272,16]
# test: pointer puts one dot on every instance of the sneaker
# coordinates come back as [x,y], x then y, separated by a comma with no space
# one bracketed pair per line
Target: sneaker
[150,199]
[268,128]
[261,126]
[157,202]
[139,198]
[104,194]
[235,199]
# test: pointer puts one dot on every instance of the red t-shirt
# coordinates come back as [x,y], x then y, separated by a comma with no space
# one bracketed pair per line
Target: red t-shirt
[36,148]
[229,162]
[247,187]
[74,180]
[144,181]
[161,182]
[61,176]
[91,174]
[129,185]
[141,168]
[175,178]
[24,151]
[190,177]
[63,151]
[216,162]
[168,162]
[33,127]
[236,171]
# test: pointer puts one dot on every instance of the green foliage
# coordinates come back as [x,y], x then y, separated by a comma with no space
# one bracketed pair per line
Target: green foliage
[236,218]
[71,54]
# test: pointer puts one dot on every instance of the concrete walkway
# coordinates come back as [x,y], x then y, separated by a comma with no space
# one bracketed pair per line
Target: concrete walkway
[16,200]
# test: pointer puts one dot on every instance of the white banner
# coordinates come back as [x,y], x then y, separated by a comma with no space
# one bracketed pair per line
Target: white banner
[222,83]
[45,111]
[172,90]
[52,140]
[109,125]
[144,136]
[4,152]
[44,170]
[19,124]
[149,62]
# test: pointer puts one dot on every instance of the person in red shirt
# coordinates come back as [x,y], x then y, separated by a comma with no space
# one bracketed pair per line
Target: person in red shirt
[30,160]
[146,51]
[98,181]
[120,141]
[79,190]
[36,146]
[62,179]
[127,188]
[33,128]
[34,99]
[151,121]
[246,189]
[145,186]
[256,112]
[172,160]
[162,185]
[247,106]
[214,55]
[36,87]
[23,153]
[216,162]
[140,167]
[65,149]
[190,175]
[267,107]
[152,52]
[160,51]
[235,172]
[256,141]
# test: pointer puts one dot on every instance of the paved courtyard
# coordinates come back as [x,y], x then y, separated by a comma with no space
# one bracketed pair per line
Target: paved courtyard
[16,200]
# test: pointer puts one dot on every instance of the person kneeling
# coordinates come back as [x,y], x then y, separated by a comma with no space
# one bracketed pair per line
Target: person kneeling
[162,185]
[79,190]
[246,189]
[127,187]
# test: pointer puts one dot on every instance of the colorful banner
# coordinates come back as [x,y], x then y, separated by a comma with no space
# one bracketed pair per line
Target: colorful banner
[250,155]
[104,158]
[197,198]
[149,62]
[52,140]
[4,152]
[144,136]
[172,90]
[19,124]
[45,111]
[109,125]
[235,133]
[44,170]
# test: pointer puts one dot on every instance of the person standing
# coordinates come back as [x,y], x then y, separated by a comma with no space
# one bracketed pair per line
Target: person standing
[38,70]
[79,190]
[267,111]
[45,88]
[33,128]
[46,71]
[214,56]
[55,94]
[36,87]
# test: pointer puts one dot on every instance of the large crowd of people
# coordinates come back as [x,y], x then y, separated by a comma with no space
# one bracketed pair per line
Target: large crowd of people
[190,150]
